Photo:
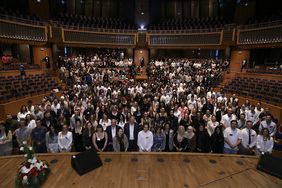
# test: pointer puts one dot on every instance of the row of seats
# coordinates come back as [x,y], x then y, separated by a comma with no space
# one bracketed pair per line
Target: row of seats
[15,87]
[265,71]
[16,66]
[257,88]
[9,13]
[185,39]
[93,22]
[186,24]
[270,18]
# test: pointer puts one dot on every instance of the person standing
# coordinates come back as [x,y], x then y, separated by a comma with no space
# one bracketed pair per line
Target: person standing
[65,139]
[217,140]
[249,138]
[120,142]
[264,143]
[112,132]
[232,138]
[131,130]
[100,139]
[145,139]
[38,135]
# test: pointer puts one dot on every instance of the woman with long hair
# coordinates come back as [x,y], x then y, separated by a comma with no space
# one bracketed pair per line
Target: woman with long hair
[100,139]
[120,141]
[87,135]
[159,140]
[51,140]
[217,140]
[180,141]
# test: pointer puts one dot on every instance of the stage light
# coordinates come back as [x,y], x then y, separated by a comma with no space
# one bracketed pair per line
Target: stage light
[38,1]
[142,13]
[142,27]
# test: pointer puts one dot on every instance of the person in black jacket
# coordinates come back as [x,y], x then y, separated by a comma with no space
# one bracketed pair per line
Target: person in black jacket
[112,131]
[217,140]
[220,113]
[129,128]
[202,140]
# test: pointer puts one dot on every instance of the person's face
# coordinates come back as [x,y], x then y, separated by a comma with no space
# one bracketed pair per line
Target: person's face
[181,129]
[100,129]
[265,132]
[120,132]
[201,128]
[268,118]
[249,125]
[22,122]
[48,115]
[242,116]
[146,127]
[52,128]
[229,111]
[65,128]
[38,123]
[234,125]
[23,108]
[78,123]
[217,131]
[131,120]
[114,122]
[88,125]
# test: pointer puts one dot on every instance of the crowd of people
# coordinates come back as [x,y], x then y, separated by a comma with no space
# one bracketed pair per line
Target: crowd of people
[102,66]
[176,110]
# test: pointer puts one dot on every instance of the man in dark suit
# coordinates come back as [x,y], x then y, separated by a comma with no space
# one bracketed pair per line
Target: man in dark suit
[131,130]
[112,131]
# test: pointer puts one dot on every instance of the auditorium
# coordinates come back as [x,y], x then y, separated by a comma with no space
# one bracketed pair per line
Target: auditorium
[140,93]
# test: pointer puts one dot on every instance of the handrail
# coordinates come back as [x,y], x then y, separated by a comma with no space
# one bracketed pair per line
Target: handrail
[262,24]
[186,31]
[8,17]
[92,28]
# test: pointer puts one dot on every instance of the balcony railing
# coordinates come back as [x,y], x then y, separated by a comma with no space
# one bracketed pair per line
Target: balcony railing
[22,31]
[89,37]
[188,39]
[271,34]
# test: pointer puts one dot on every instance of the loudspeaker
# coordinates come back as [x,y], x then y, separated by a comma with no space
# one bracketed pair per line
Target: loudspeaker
[271,165]
[86,161]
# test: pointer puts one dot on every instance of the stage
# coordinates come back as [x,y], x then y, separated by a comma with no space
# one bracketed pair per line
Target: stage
[149,170]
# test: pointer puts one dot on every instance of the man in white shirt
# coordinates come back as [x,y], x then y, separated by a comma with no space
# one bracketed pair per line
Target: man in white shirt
[251,115]
[269,124]
[232,138]
[249,139]
[227,118]
[145,139]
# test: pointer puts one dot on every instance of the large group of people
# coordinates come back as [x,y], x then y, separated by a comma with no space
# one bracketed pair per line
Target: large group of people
[176,110]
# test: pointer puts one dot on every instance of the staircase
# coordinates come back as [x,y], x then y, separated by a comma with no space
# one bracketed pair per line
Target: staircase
[237,56]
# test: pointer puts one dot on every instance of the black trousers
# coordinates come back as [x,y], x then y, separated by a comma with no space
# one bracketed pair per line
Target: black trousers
[132,145]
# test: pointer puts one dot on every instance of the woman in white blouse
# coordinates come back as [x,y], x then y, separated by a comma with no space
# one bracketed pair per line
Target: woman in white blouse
[211,125]
[65,140]
[23,112]
[105,121]
[264,142]
[30,122]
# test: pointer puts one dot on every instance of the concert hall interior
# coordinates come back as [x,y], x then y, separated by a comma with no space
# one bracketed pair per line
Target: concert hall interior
[140,93]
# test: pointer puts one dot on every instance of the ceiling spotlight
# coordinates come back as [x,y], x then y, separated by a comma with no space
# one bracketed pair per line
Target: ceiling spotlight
[142,13]
[38,1]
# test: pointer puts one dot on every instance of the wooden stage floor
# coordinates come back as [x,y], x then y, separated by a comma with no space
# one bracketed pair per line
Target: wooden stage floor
[150,170]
